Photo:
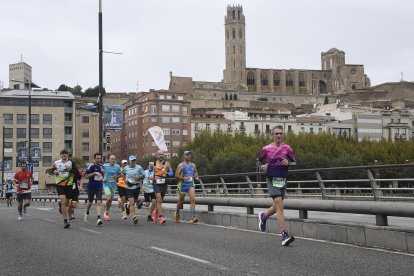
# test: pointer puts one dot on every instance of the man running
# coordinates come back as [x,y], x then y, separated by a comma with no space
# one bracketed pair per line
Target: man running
[23,182]
[162,170]
[122,193]
[133,175]
[95,174]
[186,173]
[8,189]
[112,173]
[77,186]
[64,177]
[149,195]
[276,158]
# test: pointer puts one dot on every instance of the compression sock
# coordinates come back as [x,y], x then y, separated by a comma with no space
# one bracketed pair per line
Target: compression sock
[192,213]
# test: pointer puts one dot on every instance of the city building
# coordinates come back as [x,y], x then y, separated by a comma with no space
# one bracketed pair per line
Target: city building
[21,72]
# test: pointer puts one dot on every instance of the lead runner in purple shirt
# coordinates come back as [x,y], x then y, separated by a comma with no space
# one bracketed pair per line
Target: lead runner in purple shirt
[276,158]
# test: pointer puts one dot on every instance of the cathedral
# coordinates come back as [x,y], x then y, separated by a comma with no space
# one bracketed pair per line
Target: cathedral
[334,77]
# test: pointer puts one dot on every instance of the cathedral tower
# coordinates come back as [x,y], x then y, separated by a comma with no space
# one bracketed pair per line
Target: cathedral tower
[235,37]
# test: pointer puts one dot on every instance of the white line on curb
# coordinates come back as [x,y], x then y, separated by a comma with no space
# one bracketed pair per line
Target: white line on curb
[85,229]
[181,255]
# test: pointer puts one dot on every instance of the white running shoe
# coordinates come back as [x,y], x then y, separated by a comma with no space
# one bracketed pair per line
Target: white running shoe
[99,222]
[85,218]
[19,218]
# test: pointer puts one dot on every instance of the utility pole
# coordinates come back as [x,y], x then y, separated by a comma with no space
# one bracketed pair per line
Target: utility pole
[30,123]
[100,105]
[2,162]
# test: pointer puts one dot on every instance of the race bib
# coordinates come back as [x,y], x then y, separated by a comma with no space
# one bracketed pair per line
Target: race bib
[278,182]
[131,180]
[160,180]
[97,177]
[24,185]
[189,179]
[64,174]
[111,179]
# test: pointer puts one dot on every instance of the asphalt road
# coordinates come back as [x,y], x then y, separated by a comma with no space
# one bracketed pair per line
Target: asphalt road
[38,245]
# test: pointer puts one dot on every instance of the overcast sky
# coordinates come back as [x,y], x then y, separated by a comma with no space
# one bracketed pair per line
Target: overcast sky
[59,38]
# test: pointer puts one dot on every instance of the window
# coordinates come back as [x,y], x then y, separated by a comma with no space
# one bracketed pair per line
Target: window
[85,158]
[85,133]
[47,146]
[8,119]
[180,98]
[165,108]
[289,81]
[167,155]
[176,144]
[21,119]
[276,79]
[263,79]
[153,109]
[68,145]
[68,130]
[218,127]
[47,119]
[175,108]
[175,119]
[240,33]
[208,127]
[166,120]
[185,132]
[68,117]
[21,133]
[250,78]
[85,146]
[47,133]
[34,132]
[8,145]
[153,119]
[34,118]
[167,143]
[166,131]
[234,33]
[162,97]
[185,120]
[176,132]
[47,161]
[185,110]
[301,80]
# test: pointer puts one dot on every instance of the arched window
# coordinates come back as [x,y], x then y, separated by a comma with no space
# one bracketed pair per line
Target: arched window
[301,80]
[263,79]
[289,80]
[234,14]
[240,33]
[234,33]
[250,78]
[238,15]
[227,32]
[276,79]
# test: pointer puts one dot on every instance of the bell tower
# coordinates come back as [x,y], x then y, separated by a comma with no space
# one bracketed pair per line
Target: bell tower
[235,37]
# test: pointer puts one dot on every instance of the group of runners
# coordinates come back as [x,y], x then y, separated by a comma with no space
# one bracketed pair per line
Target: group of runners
[129,179]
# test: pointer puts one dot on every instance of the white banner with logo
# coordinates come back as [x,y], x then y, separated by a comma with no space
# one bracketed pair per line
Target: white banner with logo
[158,136]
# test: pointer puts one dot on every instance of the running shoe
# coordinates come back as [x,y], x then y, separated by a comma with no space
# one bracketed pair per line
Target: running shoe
[124,216]
[60,207]
[262,222]
[176,218]
[19,217]
[85,217]
[154,216]
[106,216]
[162,220]
[99,222]
[72,217]
[135,219]
[286,239]
[139,204]
[66,225]
[24,210]
[149,218]
[126,205]
[193,220]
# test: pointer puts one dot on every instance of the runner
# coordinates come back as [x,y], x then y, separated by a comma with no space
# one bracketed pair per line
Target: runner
[8,189]
[149,195]
[133,175]
[276,158]
[95,174]
[162,170]
[122,200]
[64,177]
[112,173]
[186,173]
[77,185]
[23,180]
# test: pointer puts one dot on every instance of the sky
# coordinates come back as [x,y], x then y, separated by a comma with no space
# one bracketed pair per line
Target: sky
[59,39]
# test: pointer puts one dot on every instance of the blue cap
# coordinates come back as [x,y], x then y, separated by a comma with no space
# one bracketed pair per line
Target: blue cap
[132,157]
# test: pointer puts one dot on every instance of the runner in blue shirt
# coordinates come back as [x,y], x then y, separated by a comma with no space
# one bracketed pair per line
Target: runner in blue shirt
[149,195]
[112,173]
[8,188]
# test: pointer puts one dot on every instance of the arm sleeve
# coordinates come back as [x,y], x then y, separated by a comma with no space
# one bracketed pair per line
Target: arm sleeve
[170,173]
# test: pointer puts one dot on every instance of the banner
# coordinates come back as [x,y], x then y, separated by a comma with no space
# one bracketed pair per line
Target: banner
[158,136]
[113,117]
[36,154]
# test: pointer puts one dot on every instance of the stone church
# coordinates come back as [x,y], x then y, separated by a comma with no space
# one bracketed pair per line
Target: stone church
[334,77]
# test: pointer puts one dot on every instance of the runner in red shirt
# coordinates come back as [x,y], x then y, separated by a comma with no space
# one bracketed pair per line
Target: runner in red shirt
[23,183]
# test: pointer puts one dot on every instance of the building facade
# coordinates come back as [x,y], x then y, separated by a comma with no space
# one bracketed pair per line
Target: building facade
[22,73]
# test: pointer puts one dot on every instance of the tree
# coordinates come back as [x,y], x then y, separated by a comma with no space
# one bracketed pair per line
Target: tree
[64,87]
[77,89]
[94,92]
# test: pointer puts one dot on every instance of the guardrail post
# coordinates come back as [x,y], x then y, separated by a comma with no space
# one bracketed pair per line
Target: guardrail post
[203,189]
[321,185]
[381,220]
[250,188]
[375,192]
[250,210]
[226,192]
[303,214]
[210,207]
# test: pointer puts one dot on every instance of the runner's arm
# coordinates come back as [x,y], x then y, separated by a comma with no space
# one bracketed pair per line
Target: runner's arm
[178,172]
[196,173]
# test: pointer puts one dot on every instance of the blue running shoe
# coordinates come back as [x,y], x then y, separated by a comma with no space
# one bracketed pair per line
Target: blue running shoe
[286,239]
[262,222]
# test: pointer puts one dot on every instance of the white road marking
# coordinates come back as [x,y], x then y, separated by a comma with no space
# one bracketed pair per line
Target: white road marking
[180,255]
[89,230]
[44,209]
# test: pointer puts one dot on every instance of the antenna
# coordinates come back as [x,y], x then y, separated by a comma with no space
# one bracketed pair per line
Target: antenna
[137,86]
[21,57]
[402,76]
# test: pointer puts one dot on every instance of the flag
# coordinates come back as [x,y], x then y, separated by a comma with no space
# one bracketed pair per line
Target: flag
[158,136]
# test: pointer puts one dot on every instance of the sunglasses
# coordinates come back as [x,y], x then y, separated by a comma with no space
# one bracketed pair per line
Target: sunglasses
[278,133]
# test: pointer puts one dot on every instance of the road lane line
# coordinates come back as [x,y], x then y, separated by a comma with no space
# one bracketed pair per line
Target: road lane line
[89,230]
[180,255]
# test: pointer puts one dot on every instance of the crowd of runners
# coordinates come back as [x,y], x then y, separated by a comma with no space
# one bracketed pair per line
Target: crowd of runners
[129,179]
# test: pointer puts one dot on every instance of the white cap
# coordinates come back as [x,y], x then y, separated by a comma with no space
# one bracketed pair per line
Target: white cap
[124,161]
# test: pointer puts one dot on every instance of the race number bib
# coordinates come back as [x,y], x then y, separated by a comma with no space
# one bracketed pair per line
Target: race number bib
[64,174]
[160,180]
[278,182]
[189,179]
[24,185]
[111,179]
[131,180]
[98,177]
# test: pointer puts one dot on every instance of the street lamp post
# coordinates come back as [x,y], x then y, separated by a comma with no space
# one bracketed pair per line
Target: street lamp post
[100,105]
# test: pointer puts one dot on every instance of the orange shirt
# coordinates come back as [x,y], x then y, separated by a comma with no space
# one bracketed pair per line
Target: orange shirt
[24,178]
